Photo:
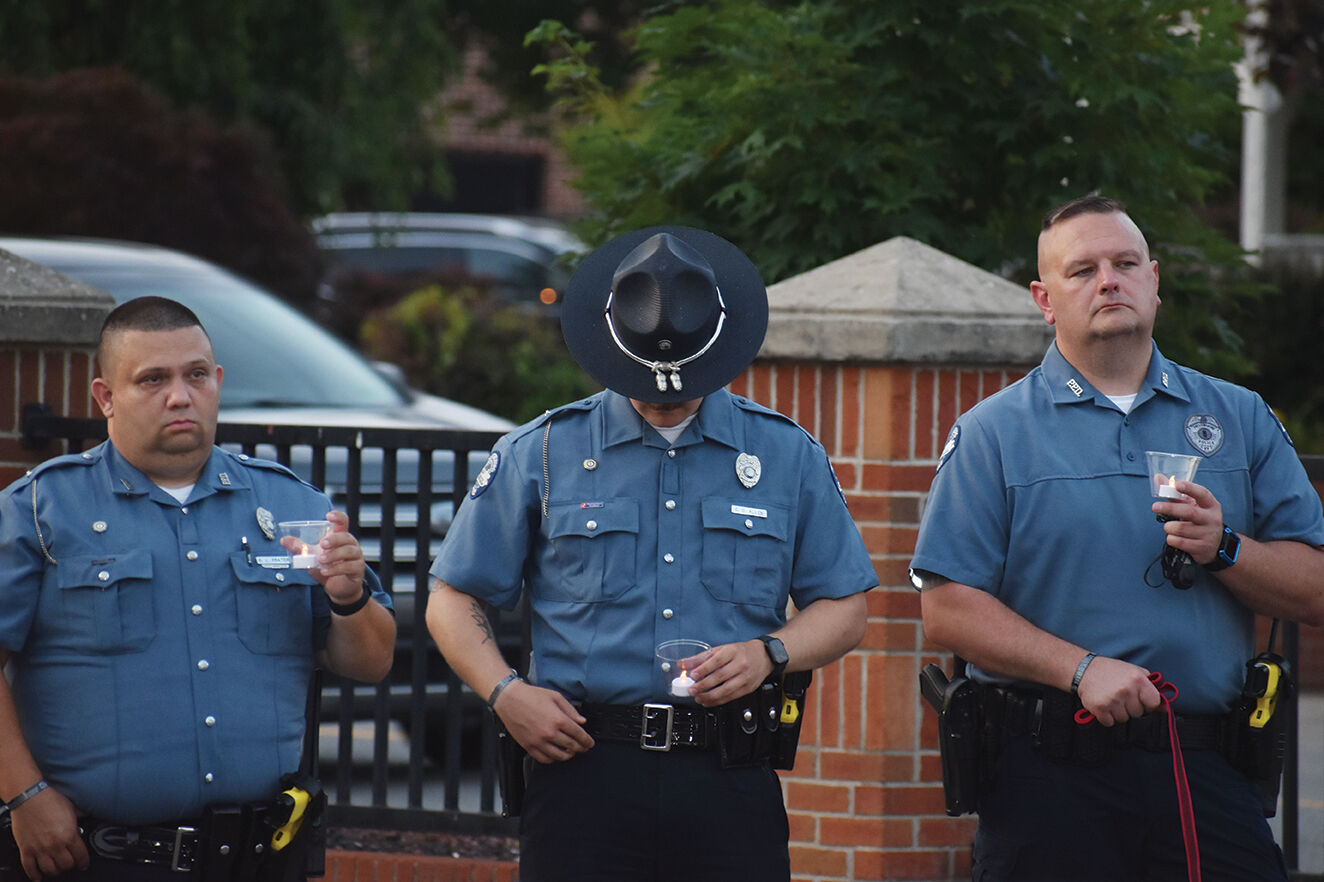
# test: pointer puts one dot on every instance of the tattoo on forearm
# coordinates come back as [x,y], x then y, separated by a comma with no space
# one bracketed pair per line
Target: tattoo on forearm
[480,619]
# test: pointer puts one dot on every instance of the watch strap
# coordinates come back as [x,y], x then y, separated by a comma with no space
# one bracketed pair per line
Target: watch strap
[348,609]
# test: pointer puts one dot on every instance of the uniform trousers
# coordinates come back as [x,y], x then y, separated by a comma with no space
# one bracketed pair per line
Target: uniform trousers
[1050,821]
[618,813]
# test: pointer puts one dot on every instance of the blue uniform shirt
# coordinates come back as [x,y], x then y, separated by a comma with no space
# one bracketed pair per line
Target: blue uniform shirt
[158,665]
[1042,499]
[643,542]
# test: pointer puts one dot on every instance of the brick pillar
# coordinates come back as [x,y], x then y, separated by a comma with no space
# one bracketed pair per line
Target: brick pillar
[48,332]
[876,355]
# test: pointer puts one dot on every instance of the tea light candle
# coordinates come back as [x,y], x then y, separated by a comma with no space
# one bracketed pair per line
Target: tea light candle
[680,686]
[1169,490]
[304,560]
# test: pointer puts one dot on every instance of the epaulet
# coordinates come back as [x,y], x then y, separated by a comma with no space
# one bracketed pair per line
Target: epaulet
[754,407]
[580,406]
[86,458]
[254,462]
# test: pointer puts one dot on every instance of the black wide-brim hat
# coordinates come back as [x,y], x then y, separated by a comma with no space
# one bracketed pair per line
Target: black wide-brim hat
[656,302]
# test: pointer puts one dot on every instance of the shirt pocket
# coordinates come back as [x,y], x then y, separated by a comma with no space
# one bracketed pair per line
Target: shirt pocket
[594,550]
[108,602]
[746,552]
[274,608]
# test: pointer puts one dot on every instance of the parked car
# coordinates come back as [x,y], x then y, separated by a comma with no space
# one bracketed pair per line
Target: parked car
[372,259]
[281,368]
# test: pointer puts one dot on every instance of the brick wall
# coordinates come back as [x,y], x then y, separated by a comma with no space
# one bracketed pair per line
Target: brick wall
[865,797]
[58,376]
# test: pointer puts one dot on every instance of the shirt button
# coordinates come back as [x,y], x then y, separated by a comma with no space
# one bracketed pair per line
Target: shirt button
[671,453]
[1131,456]
[209,777]
[280,577]
[592,525]
[669,558]
[192,555]
[196,609]
[668,613]
[209,720]
[184,510]
[749,525]
[671,505]
[203,664]
[103,576]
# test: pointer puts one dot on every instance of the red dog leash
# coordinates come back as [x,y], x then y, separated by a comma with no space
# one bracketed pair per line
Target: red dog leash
[1168,694]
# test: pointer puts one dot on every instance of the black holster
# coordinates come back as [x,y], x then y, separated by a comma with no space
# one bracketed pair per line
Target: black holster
[1260,734]
[764,726]
[965,749]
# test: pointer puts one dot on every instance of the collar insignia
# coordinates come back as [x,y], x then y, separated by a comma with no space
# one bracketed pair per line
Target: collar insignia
[1075,387]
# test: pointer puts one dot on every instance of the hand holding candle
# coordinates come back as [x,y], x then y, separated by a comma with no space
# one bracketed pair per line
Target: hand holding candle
[676,658]
[1166,469]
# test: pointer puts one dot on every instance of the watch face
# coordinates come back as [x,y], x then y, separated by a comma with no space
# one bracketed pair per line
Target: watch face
[776,650]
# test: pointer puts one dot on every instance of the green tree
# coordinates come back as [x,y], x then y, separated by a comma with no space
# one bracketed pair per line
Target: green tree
[341,87]
[805,131]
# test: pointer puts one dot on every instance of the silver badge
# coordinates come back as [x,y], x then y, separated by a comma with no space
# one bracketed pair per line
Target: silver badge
[484,479]
[266,522]
[748,469]
[225,479]
[1204,432]
[98,526]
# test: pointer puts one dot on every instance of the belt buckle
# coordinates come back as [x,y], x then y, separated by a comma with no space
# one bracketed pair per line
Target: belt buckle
[179,855]
[648,740]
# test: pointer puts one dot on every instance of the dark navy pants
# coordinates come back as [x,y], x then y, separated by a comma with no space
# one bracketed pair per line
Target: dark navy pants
[622,814]
[1050,821]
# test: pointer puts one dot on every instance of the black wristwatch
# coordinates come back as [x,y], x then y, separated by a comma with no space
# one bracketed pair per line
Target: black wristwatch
[776,654]
[1227,551]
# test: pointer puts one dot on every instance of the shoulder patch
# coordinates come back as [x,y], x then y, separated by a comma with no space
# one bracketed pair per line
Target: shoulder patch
[484,479]
[953,439]
[1281,427]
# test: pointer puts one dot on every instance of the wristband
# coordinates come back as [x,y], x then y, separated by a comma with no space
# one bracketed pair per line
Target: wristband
[501,687]
[23,797]
[1080,671]
[348,609]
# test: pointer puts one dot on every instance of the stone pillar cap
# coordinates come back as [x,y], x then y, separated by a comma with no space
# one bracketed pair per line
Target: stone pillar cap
[902,301]
[40,306]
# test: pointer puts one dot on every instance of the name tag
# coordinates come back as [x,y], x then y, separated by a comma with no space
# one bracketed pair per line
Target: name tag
[749,512]
[273,562]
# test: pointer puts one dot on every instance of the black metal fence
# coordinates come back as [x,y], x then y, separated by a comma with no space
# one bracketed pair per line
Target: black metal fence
[399,487]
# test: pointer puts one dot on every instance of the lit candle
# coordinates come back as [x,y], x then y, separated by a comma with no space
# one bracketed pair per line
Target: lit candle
[1169,490]
[304,560]
[681,685]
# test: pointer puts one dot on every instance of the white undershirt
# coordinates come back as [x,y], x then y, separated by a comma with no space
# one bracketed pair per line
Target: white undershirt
[1124,401]
[180,493]
[671,433]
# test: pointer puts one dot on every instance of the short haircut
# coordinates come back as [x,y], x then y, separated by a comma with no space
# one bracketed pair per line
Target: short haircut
[145,314]
[1091,204]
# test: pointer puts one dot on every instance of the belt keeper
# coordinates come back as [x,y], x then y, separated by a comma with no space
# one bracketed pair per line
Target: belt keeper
[1080,672]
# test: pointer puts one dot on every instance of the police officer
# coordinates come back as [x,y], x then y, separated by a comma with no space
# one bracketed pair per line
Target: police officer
[1041,561]
[160,646]
[663,508]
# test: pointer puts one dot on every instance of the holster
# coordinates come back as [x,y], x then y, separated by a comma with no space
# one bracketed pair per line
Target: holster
[764,726]
[1261,732]
[961,741]
[512,760]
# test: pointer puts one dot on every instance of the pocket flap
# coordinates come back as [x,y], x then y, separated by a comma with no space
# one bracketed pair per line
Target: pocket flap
[591,519]
[758,519]
[91,571]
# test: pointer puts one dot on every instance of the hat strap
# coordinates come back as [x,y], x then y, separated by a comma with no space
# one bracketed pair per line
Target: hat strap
[666,370]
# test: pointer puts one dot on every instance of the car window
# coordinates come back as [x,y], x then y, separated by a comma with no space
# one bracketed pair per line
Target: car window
[271,354]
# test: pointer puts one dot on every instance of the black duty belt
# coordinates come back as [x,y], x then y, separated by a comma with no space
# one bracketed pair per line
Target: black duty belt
[1041,715]
[652,726]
